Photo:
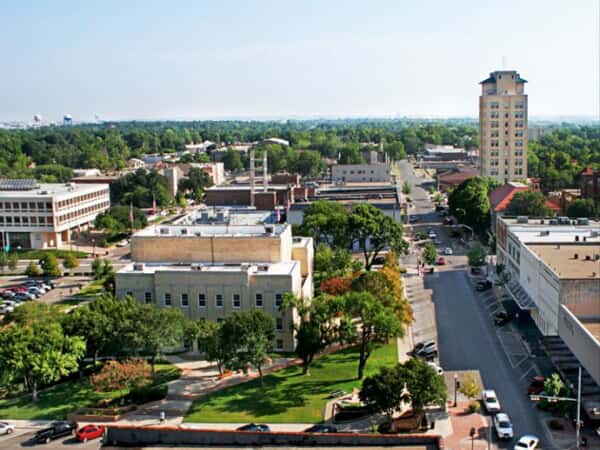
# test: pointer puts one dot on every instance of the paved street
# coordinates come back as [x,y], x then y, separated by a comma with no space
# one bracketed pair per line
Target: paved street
[18,440]
[467,336]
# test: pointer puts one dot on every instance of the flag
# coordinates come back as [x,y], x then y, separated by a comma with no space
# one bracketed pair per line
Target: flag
[278,215]
[131,214]
[288,205]
[153,204]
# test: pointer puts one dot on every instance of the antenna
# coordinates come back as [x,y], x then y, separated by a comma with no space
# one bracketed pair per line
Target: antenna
[504,62]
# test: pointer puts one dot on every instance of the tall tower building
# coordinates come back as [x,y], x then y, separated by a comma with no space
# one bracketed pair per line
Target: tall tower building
[503,126]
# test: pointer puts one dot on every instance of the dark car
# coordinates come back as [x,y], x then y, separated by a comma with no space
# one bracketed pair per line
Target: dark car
[475,271]
[502,318]
[260,427]
[321,428]
[484,285]
[536,385]
[55,431]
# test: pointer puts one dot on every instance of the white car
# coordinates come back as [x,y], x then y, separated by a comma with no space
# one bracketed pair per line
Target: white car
[437,368]
[448,251]
[123,243]
[4,309]
[6,428]
[490,401]
[503,426]
[527,442]
[432,235]
[37,292]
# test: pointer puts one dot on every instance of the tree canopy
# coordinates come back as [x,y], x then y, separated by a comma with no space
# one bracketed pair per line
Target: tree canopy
[529,203]
[470,205]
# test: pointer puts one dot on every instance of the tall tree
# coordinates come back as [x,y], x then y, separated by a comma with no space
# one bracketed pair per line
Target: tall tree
[476,255]
[406,188]
[195,183]
[327,223]
[216,345]
[430,253]
[583,207]
[374,231]
[529,203]
[469,203]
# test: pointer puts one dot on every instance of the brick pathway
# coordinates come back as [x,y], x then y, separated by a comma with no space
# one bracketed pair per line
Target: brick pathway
[462,423]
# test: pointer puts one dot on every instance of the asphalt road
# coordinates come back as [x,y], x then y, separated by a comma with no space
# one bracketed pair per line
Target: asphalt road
[16,441]
[467,336]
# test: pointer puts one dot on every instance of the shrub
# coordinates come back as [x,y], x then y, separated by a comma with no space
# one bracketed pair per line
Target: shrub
[474,406]
[147,394]
[70,261]
[116,375]
[336,286]
[33,270]
[402,270]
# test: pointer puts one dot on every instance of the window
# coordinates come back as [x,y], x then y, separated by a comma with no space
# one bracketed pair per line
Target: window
[259,300]
[185,300]
[147,297]
[201,301]
[129,294]
[219,300]
[278,300]
[279,324]
[168,299]
[236,301]
[279,344]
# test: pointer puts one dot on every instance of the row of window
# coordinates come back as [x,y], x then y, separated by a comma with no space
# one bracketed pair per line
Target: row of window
[496,124]
[494,172]
[83,212]
[496,115]
[236,300]
[496,162]
[81,198]
[26,221]
[496,105]
[26,206]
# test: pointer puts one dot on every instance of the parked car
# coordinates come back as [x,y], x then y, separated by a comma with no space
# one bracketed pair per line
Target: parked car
[440,208]
[321,428]
[536,385]
[423,345]
[23,297]
[502,318]
[88,432]
[448,251]
[484,285]
[7,294]
[503,426]
[55,431]
[123,243]
[490,401]
[432,235]
[437,368]
[447,221]
[413,219]
[36,292]
[5,309]
[6,428]
[428,354]
[260,427]
[441,261]
[475,271]
[527,442]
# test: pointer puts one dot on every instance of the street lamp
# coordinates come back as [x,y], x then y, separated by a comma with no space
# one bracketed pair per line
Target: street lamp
[472,432]
[456,384]
[93,247]
[552,398]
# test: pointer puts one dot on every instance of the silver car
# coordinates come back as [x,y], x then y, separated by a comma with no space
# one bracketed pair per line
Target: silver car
[6,428]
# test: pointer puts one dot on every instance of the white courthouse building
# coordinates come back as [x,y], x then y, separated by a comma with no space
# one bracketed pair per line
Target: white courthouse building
[42,215]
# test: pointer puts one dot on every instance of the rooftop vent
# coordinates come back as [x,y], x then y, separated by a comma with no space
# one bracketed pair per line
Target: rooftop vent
[138,267]
[263,268]
[196,266]
[184,231]
[545,233]
[164,231]
[576,238]
[269,229]
[522,219]
[575,256]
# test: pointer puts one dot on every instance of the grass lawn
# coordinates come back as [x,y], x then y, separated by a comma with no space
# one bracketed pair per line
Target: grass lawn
[58,401]
[38,254]
[287,395]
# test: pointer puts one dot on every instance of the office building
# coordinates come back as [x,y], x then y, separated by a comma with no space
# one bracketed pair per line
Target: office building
[360,173]
[503,126]
[209,271]
[34,215]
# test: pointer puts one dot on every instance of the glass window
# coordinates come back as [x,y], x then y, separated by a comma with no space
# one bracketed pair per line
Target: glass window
[278,300]
[185,300]
[279,344]
[219,300]
[168,300]
[15,205]
[259,300]
[201,301]
[279,324]
[236,301]
[148,297]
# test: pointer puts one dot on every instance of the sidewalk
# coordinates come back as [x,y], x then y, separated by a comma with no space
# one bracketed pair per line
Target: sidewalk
[462,422]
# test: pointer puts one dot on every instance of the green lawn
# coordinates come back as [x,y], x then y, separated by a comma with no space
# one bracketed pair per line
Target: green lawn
[287,395]
[38,254]
[58,401]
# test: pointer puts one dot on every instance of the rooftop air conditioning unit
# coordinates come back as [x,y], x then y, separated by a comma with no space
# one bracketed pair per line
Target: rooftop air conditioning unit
[269,229]
[196,266]
[553,222]
[164,231]
[583,221]
[184,231]
[545,233]
[263,268]
[522,219]
[138,267]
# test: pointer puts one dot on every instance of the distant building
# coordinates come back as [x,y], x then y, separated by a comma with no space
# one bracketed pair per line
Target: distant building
[135,163]
[173,174]
[443,153]
[273,140]
[44,215]
[452,178]
[503,126]
[87,173]
[360,173]
[590,184]
[240,195]
[210,271]
[501,196]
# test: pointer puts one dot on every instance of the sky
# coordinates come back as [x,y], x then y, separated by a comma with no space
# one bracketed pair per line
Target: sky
[212,59]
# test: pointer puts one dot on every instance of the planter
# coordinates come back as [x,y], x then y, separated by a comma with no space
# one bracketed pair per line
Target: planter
[100,414]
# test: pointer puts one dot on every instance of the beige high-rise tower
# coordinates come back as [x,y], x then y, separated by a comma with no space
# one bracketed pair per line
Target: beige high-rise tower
[503,126]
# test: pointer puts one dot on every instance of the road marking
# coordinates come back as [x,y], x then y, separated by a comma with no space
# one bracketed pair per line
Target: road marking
[527,372]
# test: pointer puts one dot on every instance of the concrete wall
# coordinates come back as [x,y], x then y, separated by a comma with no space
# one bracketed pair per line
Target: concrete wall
[582,343]
[360,173]
[142,436]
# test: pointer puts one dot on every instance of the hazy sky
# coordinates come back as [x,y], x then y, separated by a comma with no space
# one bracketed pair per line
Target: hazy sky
[279,58]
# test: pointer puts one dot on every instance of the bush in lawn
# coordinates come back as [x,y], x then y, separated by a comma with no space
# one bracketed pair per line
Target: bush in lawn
[116,375]
[33,270]
[474,406]
[147,394]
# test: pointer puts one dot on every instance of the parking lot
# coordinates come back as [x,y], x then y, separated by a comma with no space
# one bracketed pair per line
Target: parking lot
[24,438]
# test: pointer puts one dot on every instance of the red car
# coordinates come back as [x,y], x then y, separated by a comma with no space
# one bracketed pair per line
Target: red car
[447,221]
[536,385]
[88,432]
[441,261]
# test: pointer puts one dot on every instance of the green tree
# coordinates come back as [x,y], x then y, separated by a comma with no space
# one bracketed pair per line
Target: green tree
[386,389]
[335,262]
[470,205]
[70,261]
[117,219]
[469,387]
[529,203]
[374,231]
[97,268]
[438,198]
[430,253]
[476,255]
[3,261]
[50,266]
[13,261]
[326,222]
[232,160]
[195,183]
[33,270]
[39,353]
[378,323]
[216,345]
[157,329]
[406,188]
[582,207]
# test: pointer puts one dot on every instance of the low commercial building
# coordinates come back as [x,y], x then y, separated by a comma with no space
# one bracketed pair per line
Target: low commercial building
[34,215]
[209,271]
[241,195]
[451,178]
[360,173]
[590,184]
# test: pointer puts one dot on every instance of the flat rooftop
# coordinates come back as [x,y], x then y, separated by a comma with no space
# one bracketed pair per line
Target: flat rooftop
[561,259]
[211,230]
[258,187]
[256,268]
[544,223]
[20,188]
[230,216]
[557,235]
